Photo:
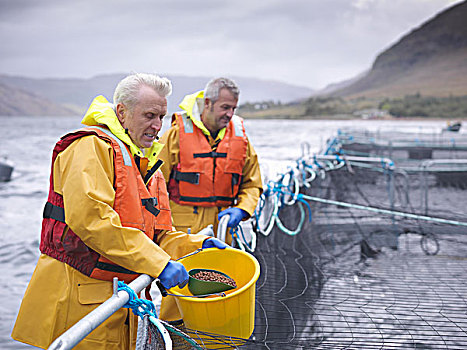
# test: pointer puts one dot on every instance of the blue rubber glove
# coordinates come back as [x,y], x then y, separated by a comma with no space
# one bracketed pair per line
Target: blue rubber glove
[174,274]
[214,243]
[236,215]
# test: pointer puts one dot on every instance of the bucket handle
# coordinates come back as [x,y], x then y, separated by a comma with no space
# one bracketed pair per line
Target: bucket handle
[190,254]
[164,292]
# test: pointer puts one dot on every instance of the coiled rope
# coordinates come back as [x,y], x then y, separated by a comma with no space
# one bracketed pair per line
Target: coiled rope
[285,191]
[143,307]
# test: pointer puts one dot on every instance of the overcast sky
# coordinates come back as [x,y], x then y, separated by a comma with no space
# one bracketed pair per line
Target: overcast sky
[304,42]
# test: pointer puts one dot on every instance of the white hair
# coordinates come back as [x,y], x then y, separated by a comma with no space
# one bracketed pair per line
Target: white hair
[127,89]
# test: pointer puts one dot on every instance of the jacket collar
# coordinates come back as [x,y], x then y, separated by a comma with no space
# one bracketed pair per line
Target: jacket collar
[193,105]
[101,112]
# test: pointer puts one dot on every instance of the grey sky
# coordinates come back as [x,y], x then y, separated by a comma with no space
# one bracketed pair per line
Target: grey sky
[304,42]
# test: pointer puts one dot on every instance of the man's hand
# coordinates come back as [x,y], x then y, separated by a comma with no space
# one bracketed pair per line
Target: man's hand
[174,274]
[214,243]
[236,215]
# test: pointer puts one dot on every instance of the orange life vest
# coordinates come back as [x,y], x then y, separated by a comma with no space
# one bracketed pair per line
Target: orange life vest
[140,203]
[206,177]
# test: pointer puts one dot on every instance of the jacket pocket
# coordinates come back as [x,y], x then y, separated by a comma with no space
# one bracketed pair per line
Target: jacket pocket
[90,296]
[94,293]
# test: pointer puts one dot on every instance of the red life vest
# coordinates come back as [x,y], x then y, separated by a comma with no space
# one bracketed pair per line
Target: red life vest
[205,177]
[139,205]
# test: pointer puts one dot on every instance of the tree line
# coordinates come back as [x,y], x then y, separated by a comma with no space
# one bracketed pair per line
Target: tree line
[408,106]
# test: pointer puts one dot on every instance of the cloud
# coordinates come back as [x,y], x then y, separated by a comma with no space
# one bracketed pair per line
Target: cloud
[308,42]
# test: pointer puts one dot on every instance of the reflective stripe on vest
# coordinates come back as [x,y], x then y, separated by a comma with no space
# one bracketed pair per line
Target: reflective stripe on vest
[204,176]
[238,126]
[124,150]
[187,124]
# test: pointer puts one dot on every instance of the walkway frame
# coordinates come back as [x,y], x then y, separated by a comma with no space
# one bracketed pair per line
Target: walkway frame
[96,317]
[425,168]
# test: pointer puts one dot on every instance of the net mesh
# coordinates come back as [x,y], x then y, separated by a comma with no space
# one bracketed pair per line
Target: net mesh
[182,338]
[382,264]
[362,279]
[149,337]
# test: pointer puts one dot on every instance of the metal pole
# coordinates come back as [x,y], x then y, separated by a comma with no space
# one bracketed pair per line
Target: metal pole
[92,320]
[427,164]
[389,163]
[385,211]
[222,228]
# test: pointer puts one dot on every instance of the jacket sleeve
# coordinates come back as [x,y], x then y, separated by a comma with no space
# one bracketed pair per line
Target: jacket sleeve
[252,185]
[179,243]
[83,174]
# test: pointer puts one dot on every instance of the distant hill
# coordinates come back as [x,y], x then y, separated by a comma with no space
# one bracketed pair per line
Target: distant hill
[76,94]
[430,60]
[15,102]
[333,87]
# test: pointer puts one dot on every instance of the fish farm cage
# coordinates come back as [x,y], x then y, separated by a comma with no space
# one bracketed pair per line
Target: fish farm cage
[361,246]
[364,246]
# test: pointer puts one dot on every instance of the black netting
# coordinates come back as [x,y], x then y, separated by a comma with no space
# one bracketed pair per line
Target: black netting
[382,264]
[384,270]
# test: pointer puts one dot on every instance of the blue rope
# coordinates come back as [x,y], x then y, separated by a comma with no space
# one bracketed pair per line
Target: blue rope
[316,162]
[301,199]
[330,146]
[140,307]
[278,188]
[301,165]
[234,233]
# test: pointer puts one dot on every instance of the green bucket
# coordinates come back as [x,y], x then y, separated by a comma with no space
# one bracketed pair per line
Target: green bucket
[199,287]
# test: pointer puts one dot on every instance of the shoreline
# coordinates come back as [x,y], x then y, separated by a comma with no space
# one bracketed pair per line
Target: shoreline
[343,117]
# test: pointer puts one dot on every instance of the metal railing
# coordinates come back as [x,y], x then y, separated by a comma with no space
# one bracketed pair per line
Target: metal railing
[425,169]
[222,228]
[96,317]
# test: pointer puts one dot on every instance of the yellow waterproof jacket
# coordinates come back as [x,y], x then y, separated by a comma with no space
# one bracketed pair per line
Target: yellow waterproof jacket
[58,295]
[195,217]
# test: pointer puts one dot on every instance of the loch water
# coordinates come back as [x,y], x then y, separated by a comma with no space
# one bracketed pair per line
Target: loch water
[27,142]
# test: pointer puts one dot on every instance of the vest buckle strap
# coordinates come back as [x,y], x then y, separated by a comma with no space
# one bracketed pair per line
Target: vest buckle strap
[210,199]
[151,171]
[53,212]
[190,177]
[150,205]
[210,155]
[113,268]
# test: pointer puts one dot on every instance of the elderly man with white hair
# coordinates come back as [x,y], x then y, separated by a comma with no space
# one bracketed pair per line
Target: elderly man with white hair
[107,215]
